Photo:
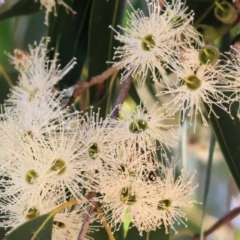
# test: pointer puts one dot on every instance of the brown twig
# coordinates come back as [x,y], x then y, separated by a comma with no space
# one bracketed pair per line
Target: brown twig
[81,87]
[86,221]
[224,220]
[105,224]
[122,95]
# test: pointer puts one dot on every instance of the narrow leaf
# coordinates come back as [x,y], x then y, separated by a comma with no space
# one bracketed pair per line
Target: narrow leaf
[69,32]
[39,228]
[101,37]
[101,42]
[159,234]
[208,178]
[227,129]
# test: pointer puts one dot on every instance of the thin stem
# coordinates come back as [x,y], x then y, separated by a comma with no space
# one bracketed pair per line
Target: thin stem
[81,87]
[122,95]
[148,236]
[223,221]
[87,218]
[4,73]
[204,14]
[55,211]
[105,224]
[65,205]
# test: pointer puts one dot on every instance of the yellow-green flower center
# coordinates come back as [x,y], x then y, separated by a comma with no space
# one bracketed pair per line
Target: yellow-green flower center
[192,82]
[60,166]
[32,213]
[147,43]
[93,150]
[127,196]
[138,126]
[164,204]
[31,176]
[59,224]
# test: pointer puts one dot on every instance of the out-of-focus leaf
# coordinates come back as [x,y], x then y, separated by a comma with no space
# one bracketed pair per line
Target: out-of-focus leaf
[208,177]
[6,42]
[227,130]
[101,42]
[4,87]
[69,32]
[159,234]
[21,8]
[39,228]
[101,37]
[36,29]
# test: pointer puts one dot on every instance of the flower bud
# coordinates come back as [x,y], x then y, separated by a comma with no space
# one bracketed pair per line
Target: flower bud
[209,33]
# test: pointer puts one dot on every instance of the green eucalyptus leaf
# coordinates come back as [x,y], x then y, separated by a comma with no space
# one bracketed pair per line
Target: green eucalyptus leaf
[22,7]
[227,128]
[39,228]
[6,34]
[101,233]
[69,32]
[227,131]
[101,41]
[101,37]
[133,234]
[208,178]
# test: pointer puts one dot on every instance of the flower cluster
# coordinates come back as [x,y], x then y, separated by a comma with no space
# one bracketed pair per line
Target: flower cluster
[165,41]
[152,42]
[51,156]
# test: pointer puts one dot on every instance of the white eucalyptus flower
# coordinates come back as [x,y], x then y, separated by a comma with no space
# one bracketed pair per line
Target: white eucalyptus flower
[126,195]
[171,195]
[149,44]
[27,174]
[63,153]
[197,84]
[180,20]
[67,221]
[38,75]
[16,210]
[142,129]
[98,140]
